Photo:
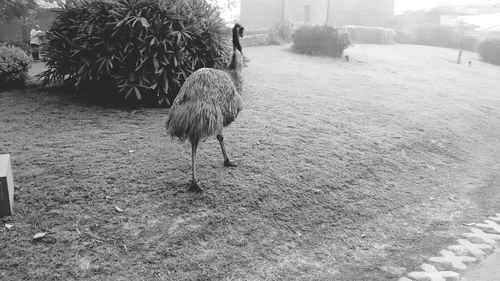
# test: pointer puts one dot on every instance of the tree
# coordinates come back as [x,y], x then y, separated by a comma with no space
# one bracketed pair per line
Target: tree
[224,4]
[226,7]
[16,10]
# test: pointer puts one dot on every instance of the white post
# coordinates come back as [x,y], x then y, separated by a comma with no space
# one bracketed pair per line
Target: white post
[6,186]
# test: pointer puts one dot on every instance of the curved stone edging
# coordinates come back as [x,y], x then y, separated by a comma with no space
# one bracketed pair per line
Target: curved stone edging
[480,242]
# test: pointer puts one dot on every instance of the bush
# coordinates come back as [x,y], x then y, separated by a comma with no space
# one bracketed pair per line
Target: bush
[489,50]
[371,35]
[281,32]
[14,65]
[141,49]
[438,35]
[321,40]
[405,36]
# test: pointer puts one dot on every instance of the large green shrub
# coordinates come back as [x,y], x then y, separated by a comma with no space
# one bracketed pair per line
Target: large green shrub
[142,49]
[371,34]
[14,65]
[320,40]
[489,50]
[438,35]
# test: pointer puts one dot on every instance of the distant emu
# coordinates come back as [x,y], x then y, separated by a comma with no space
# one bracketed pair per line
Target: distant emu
[209,100]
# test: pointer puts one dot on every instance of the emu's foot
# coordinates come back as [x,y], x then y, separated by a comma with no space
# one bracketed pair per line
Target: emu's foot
[228,163]
[195,187]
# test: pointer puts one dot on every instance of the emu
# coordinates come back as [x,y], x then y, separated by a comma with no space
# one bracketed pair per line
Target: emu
[208,101]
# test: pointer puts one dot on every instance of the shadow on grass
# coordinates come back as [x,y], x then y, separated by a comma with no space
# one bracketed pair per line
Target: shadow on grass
[85,99]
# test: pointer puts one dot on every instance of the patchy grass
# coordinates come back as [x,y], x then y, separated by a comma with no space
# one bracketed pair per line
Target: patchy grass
[347,171]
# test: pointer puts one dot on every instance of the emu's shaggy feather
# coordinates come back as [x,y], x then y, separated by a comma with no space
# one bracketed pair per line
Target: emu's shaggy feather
[208,101]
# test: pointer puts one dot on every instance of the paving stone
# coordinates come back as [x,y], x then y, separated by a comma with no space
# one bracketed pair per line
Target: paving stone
[486,237]
[450,258]
[466,247]
[490,225]
[430,273]
[394,270]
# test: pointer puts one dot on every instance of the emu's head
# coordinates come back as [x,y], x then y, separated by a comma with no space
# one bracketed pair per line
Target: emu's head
[238,29]
[237,33]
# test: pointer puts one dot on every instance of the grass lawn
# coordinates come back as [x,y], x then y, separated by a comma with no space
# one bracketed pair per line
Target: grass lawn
[347,171]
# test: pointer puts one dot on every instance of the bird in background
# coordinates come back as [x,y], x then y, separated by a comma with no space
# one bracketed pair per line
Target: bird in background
[208,101]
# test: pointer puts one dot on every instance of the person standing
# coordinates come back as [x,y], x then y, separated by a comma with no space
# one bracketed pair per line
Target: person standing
[35,42]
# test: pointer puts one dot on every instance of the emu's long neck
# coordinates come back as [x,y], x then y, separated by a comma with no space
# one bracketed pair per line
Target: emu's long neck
[236,40]
[237,58]
[235,68]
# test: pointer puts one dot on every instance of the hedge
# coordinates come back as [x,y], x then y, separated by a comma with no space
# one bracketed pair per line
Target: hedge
[320,40]
[14,65]
[489,50]
[405,36]
[371,34]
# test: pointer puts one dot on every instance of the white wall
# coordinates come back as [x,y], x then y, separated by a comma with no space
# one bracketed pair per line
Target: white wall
[295,10]
[256,14]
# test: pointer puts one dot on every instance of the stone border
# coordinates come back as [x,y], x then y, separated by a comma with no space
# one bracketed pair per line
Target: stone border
[480,242]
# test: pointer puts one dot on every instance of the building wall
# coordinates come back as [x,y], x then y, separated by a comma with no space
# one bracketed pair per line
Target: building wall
[362,12]
[256,14]
[295,10]
[11,32]
[418,18]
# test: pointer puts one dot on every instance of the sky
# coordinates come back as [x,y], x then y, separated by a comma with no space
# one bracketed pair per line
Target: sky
[402,5]
[405,5]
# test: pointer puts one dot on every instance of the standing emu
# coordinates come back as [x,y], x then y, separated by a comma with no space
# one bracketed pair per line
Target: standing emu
[209,100]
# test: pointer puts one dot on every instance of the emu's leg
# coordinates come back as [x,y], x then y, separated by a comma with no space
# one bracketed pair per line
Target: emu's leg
[194,187]
[227,163]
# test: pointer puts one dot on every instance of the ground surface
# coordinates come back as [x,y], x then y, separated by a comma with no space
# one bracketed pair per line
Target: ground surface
[347,171]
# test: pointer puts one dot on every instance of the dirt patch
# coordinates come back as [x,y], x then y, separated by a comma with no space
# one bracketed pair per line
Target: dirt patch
[347,171]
